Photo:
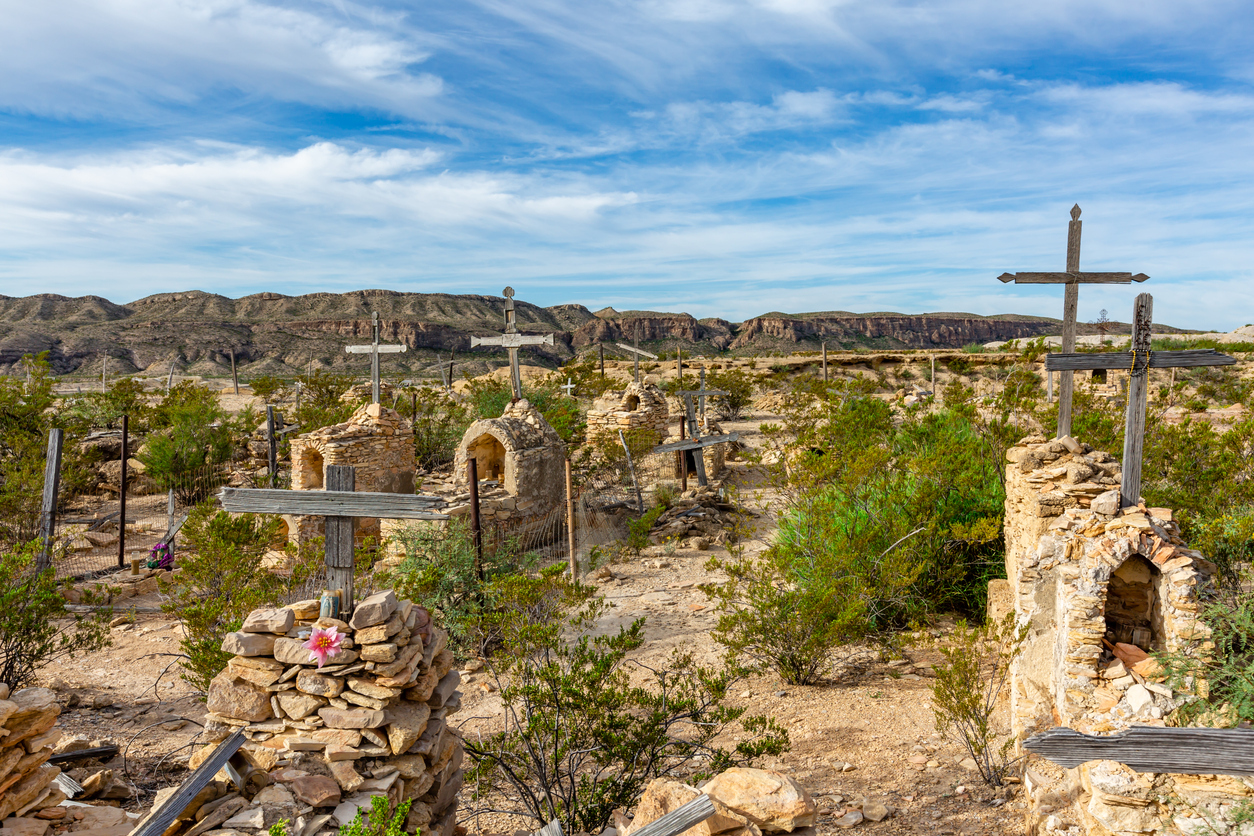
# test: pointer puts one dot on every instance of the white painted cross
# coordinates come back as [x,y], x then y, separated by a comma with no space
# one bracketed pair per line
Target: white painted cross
[1138,361]
[1072,278]
[374,350]
[569,387]
[512,340]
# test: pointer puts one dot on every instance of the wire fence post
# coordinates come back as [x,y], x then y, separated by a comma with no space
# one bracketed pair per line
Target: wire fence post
[274,447]
[122,494]
[570,524]
[476,530]
[48,510]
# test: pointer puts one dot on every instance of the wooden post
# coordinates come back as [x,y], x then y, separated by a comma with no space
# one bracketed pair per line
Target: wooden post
[339,540]
[1138,380]
[48,509]
[476,529]
[632,470]
[169,381]
[413,408]
[104,373]
[570,523]
[933,380]
[1049,386]
[683,459]
[122,496]
[274,449]
[234,374]
[825,362]
[601,349]
[679,367]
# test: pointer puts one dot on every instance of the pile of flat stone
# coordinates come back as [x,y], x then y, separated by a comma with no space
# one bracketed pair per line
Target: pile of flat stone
[29,718]
[699,514]
[323,742]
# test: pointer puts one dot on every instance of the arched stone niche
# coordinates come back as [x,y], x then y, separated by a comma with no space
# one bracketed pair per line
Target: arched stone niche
[489,455]
[520,451]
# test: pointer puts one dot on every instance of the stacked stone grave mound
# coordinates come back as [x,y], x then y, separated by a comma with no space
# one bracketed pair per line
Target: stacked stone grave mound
[700,518]
[29,718]
[323,741]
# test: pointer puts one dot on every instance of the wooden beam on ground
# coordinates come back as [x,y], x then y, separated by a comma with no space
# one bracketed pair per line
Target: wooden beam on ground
[1152,749]
[162,817]
[331,503]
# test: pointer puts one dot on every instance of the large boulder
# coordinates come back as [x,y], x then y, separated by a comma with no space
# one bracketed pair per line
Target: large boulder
[772,801]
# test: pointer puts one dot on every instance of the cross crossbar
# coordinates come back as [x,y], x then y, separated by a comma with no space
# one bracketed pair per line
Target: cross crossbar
[370,349]
[374,350]
[696,443]
[387,506]
[512,340]
[639,351]
[1068,277]
[1192,358]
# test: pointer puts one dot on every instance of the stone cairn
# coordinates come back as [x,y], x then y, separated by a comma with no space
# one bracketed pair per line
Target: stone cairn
[322,742]
[29,718]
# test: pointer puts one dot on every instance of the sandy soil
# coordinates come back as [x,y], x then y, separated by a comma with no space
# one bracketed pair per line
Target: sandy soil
[852,737]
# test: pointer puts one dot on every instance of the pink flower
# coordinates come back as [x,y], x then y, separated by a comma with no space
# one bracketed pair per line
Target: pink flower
[323,642]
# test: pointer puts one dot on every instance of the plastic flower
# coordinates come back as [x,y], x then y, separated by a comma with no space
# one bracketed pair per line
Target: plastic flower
[323,642]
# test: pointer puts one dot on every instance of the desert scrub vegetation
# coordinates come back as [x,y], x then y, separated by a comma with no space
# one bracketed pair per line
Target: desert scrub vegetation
[581,739]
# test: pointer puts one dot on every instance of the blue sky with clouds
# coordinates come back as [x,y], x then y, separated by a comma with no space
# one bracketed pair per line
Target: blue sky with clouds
[722,157]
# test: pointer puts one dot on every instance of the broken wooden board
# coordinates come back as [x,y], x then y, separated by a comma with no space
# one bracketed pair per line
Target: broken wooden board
[162,817]
[1191,751]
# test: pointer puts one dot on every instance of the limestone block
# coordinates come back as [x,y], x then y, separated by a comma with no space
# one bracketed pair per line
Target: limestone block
[269,620]
[248,644]
[353,718]
[770,800]
[318,685]
[375,609]
[238,699]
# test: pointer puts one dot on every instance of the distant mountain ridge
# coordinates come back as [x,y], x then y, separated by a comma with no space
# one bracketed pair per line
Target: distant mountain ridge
[277,334]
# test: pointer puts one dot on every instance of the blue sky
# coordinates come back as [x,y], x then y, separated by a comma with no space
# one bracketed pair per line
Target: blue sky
[722,157]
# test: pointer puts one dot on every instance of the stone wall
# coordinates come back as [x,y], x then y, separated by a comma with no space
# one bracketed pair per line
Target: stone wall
[28,718]
[1100,587]
[373,721]
[376,441]
[638,407]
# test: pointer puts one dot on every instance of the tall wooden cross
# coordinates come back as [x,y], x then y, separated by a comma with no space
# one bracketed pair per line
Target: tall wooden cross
[512,340]
[340,505]
[374,350]
[1138,361]
[637,351]
[1072,278]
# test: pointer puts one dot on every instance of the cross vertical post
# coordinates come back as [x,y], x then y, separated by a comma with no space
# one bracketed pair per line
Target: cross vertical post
[701,395]
[601,350]
[234,373]
[825,362]
[1138,389]
[273,447]
[122,494]
[339,538]
[48,508]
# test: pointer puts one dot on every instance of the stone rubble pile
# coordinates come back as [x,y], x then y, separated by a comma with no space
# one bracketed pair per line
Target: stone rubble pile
[29,719]
[322,742]
[699,514]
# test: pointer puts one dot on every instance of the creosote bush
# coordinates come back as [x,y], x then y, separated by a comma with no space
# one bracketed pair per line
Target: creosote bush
[975,671]
[580,739]
[35,628]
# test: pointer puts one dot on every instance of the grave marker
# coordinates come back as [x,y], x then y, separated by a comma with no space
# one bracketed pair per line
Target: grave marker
[637,352]
[1138,361]
[48,508]
[339,504]
[374,350]
[569,387]
[1072,278]
[512,340]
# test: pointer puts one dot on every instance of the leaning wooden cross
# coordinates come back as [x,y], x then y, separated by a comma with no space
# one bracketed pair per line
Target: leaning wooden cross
[512,340]
[1138,361]
[1072,278]
[340,505]
[637,352]
[374,350]
[694,441]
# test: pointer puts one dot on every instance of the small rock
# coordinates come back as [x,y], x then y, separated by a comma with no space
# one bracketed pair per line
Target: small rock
[375,609]
[316,790]
[851,819]
[269,620]
[874,811]
[1139,697]
[968,763]
[781,693]
[252,817]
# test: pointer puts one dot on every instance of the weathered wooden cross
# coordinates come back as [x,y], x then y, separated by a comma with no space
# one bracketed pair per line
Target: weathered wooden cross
[637,351]
[1138,361]
[374,350]
[1072,278]
[512,340]
[694,441]
[339,504]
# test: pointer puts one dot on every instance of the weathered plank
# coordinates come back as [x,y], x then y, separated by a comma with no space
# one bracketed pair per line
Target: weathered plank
[680,819]
[389,506]
[1191,358]
[48,508]
[1138,394]
[339,538]
[1152,749]
[162,817]
[694,444]
[1072,277]
[639,351]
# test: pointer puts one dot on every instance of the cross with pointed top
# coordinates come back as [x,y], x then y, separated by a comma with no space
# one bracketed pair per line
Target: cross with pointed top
[512,340]
[1072,278]
[374,350]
